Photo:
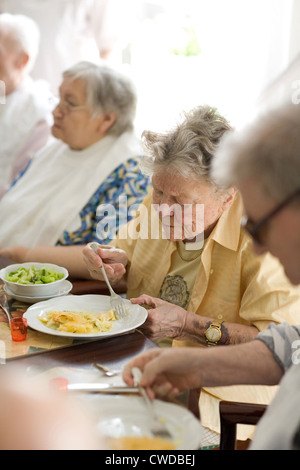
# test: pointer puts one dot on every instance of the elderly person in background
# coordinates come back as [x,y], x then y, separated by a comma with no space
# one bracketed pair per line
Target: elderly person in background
[59,203]
[212,293]
[26,109]
[264,162]
[73,30]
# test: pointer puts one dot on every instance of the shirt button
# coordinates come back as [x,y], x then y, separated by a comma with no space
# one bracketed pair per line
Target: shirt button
[220,317]
[211,271]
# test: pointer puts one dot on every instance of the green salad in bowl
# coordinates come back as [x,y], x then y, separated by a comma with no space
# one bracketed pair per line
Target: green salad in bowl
[33,278]
[34,275]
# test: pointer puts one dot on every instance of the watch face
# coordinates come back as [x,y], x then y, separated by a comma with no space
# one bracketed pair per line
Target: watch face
[213,334]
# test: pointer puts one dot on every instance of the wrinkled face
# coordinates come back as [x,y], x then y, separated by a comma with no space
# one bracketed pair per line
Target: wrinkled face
[281,235]
[187,208]
[10,66]
[72,117]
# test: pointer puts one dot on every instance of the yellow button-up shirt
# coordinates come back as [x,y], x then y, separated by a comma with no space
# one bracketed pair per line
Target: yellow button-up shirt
[231,283]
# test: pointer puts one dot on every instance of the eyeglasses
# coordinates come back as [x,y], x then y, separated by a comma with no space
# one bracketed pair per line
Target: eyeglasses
[254,228]
[68,108]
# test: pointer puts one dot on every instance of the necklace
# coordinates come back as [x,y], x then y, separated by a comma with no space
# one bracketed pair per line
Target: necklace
[187,253]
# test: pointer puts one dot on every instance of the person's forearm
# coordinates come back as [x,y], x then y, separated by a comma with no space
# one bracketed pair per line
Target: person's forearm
[68,256]
[245,364]
[232,333]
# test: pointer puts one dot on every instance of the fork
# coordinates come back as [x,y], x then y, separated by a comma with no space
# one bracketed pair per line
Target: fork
[5,307]
[105,370]
[157,428]
[116,301]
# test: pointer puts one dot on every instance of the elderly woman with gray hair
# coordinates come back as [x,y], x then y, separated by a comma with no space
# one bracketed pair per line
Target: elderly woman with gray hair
[193,264]
[90,174]
[25,104]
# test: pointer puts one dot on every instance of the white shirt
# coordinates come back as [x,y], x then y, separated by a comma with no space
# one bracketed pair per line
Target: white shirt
[47,199]
[25,122]
[71,31]
[279,425]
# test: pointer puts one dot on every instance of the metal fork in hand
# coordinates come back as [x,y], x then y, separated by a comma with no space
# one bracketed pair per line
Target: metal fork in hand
[157,428]
[116,301]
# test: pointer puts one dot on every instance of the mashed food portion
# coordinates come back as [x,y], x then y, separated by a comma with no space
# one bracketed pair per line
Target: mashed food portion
[79,322]
[139,443]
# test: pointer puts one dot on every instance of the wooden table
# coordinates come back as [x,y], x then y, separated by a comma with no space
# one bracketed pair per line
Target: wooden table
[114,352]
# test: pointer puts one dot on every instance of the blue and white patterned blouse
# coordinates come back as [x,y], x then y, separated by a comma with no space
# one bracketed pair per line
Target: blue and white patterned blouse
[111,206]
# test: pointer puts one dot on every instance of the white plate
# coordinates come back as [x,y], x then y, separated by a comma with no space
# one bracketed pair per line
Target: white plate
[120,415]
[88,303]
[64,289]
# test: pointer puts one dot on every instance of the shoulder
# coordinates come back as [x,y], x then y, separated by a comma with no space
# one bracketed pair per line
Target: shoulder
[129,166]
[128,174]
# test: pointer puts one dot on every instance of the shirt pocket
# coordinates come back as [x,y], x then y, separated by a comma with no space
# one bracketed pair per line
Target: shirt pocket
[221,309]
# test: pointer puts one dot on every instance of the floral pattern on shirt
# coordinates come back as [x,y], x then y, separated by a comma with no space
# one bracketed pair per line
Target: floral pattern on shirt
[113,204]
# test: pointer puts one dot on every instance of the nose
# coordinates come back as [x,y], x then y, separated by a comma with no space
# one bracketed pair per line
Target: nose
[166,209]
[57,111]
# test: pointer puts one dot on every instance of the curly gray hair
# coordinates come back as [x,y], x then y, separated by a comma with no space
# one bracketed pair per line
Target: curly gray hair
[107,90]
[189,148]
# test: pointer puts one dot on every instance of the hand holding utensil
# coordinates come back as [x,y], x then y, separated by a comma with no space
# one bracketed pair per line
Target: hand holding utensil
[116,301]
[157,428]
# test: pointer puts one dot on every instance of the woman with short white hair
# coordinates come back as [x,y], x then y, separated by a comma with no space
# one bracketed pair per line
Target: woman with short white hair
[60,202]
[199,275]
[25,105]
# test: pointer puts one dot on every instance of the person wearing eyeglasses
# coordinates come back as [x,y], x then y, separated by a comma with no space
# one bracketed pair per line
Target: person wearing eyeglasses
[59,203]
[264,163]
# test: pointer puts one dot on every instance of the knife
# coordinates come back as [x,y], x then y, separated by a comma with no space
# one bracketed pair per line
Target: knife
[100,388]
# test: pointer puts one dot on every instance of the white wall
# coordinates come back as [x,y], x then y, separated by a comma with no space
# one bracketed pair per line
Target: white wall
[295,31]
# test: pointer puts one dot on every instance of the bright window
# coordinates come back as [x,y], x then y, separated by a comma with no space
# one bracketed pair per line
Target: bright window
[219,52]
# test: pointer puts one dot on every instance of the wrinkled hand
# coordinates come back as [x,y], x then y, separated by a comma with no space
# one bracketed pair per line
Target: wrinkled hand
[113,260]
[166,371]
[18,254]
[165,320]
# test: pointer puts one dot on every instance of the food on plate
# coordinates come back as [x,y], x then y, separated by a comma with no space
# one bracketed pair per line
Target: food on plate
[34,276]
[79,322]
[139,443]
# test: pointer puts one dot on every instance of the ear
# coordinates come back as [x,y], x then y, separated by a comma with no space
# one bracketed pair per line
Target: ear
[22,60]
[106,121]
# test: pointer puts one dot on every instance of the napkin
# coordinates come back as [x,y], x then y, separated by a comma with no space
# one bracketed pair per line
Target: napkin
[76,375]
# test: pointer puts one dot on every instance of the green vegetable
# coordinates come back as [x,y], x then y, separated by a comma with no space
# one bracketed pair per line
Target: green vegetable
[34,276]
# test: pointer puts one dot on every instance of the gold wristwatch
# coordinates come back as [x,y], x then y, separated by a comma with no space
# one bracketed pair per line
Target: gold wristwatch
[213,333]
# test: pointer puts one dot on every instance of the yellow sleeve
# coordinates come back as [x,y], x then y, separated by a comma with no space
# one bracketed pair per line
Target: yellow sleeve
[267,295]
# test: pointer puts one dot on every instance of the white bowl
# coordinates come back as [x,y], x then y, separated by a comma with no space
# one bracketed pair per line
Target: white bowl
[33,289]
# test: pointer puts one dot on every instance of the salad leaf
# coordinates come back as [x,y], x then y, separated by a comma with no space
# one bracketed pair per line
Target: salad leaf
[34,276]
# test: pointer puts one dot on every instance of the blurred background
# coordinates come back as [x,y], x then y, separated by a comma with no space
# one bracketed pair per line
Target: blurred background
[182,53]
